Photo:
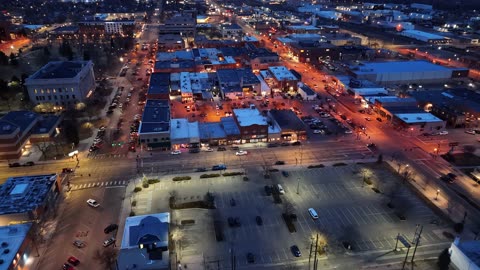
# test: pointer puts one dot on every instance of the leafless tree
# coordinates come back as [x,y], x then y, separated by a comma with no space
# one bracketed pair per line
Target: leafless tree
[43,147]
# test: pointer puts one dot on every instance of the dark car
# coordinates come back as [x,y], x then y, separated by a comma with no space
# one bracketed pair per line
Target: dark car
[280,162]
[347,245]
[67,266]
[110,228]
[13,165]
[296,143]
[250,258]
[268,190]
[29,163]
[285,144]
[295,251]
[379,119]
[221,148]
[371,145]
[67,170]
[270,145]
[201,170]
[452,176]
[448,178]
[234,222]
[285,173]
[259,220]
[219,167]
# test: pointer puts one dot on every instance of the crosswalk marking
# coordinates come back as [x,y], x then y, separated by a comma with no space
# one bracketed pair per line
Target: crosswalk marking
[98,184]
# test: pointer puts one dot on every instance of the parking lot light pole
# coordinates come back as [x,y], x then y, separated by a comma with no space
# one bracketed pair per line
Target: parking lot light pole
[438,192]
[298,185]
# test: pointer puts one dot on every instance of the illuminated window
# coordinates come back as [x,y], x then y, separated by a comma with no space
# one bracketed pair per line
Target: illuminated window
[36,92]
[54,91]
[41,91]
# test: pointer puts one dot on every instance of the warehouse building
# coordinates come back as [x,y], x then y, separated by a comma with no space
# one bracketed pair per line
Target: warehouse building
[405,72]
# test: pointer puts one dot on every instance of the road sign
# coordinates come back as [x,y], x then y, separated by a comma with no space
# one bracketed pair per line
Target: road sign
[404,241]
[453,144]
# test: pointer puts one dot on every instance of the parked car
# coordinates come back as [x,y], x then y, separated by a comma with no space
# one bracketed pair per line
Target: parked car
[110,228]
[443,132]
[29,163]
[234,222]
[67,266]
[13,165]
[295,251]
[259,220]
[250,258]
[109,241]
[285,173]
[201,170]
[280,162]
[221,148]
[176,152]
[79,243]
[470,131]
[313,213]
[280,189]
[219,167]
[241,153]
[72,260]
[379,119]
[67,170]
[93,203]
[296,143]
[268,190]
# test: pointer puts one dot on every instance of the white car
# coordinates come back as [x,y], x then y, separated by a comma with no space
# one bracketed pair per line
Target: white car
[93,203]
[368,118]
[317,131]
[241,153]
[470,131]
[348,131]
[176,152]
[209,149]
[120,106]
[443,132]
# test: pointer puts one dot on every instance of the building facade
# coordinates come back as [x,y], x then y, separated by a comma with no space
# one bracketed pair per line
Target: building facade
[62,84]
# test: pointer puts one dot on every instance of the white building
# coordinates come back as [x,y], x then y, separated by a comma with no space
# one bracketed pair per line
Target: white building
[465,254]
[184,133]
[62,83]
[145,243]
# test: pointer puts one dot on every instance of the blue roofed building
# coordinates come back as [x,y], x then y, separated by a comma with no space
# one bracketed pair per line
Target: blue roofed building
[145,243]
[234,82]
[27,198]
[154,129]
[231,129]
[15,130]
[212,133]
[159,86]
[61,84]
[16,250]
[406,72]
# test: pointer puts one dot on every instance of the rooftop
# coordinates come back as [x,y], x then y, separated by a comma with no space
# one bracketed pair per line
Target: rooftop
[13,236]
[46,123]
[243,76]
[17,119]
[471,249]
[137,227]
[287,119]
[248,117]
[156,116]
[24,193]
[398,67]
[159,83]
[229,126]
[411,118]
[282,73]
[180,128]
[423,34]
[211,131]
[60,70]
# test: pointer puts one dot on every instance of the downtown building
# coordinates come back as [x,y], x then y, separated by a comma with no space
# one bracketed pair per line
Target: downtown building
[61,84]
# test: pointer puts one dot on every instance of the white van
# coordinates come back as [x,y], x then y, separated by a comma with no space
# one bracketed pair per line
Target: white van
[313,213]
[280,189]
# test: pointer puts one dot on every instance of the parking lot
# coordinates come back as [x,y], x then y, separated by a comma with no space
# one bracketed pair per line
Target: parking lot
[348,210]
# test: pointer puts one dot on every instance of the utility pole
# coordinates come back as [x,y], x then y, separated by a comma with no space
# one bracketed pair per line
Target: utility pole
[315,257]
[417,242]
[310,253]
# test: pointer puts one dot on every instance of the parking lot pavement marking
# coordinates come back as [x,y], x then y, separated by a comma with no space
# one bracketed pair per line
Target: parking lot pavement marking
[360,245]
[358,219]
[284,254]
[390,241]
[377,243]
[338,217]
[349,221]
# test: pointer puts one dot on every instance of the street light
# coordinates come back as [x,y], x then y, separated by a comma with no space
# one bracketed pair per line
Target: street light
[438,192]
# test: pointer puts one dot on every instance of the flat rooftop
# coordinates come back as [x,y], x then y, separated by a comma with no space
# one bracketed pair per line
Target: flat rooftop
[25,193]
[418,117]
[60,70]
[13,236]
[398,67]
[138,226]
[287,119]
[248,117]
[181,128]
[282,73]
